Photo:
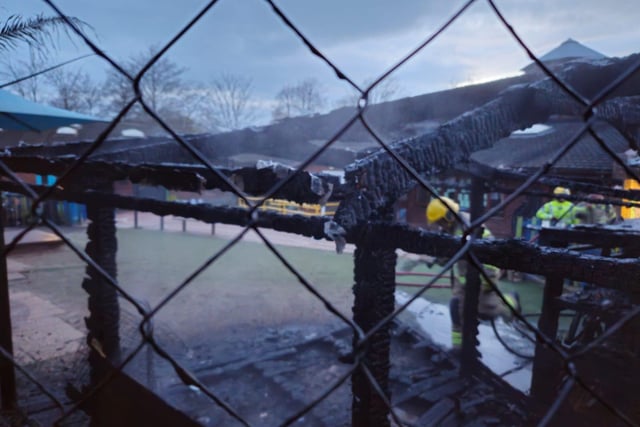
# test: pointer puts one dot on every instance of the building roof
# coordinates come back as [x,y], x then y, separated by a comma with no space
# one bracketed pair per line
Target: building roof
[570,49]
[525,152]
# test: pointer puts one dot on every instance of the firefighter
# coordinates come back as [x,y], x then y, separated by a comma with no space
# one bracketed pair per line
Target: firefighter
[594,211]
[440,213]
[558,211]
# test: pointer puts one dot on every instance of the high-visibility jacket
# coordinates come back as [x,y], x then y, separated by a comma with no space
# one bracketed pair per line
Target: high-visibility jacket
[489,304]
[557,211]
[593,213]
[460,268]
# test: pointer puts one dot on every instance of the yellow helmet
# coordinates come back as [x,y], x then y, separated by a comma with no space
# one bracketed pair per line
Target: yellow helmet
[559,191]
[436,210]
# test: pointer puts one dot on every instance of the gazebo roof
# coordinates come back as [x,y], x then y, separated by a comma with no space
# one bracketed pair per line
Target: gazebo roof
[525,152]
[569,49]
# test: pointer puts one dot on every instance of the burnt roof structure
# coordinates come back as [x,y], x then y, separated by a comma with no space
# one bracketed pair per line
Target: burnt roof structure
[586,161]
[86,172]
[296,138]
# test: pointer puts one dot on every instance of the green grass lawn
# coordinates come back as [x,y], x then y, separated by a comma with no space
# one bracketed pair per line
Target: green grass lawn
[151,264]
[254,262]
[250,261]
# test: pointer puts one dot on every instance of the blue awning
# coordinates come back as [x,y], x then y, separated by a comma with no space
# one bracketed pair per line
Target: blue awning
[17,113]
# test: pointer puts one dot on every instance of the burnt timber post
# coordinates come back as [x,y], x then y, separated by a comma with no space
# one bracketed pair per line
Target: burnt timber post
[374,298]
[546,364]
[470,355]
[104,311]
[7,373]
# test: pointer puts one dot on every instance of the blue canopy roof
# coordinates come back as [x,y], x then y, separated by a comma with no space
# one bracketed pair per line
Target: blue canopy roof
[17,113]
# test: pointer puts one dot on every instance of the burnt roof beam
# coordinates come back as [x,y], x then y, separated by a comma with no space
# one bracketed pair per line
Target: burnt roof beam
[512,254]
[378,180]
[517,254]
[623,113]
[302,187]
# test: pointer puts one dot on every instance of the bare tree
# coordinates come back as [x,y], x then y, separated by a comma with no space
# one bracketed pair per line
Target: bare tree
[161,80]
[227,103]
[164,90]
[74,90]
[186,111]
[30,88]
[298,99]
[157,84]
[384,91]
[118,91]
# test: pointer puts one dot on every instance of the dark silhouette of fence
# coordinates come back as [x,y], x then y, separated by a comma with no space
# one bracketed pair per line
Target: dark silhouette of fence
[86,172]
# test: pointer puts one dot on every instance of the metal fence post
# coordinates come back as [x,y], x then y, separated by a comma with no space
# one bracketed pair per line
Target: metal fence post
[374,298]
[7,373]
[136,193]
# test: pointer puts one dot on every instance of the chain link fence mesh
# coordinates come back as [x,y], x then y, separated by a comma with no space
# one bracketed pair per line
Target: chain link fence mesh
[365,218]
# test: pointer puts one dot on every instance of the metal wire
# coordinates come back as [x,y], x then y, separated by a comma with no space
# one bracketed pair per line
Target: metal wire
[394,151]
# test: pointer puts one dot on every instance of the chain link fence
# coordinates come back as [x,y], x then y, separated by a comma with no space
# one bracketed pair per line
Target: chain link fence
[566,380]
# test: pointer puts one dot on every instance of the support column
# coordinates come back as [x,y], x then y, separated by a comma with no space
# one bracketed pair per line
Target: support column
[7,374]
[470,354]
[374,299]
[544,378]
[104,310]
[546,364]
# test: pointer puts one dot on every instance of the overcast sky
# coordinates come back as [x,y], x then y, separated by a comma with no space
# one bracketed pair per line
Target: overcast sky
[363,38]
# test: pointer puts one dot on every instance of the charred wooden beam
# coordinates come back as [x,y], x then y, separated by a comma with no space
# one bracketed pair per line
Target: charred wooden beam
[500,178]
[103,322]
[509,254]
[373,300]
[304,226]
[519,255]
[614,236]
[76,149]
[470,356]
[624,114]
[8,394]
[303,187]
[379,180]
[546,363]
